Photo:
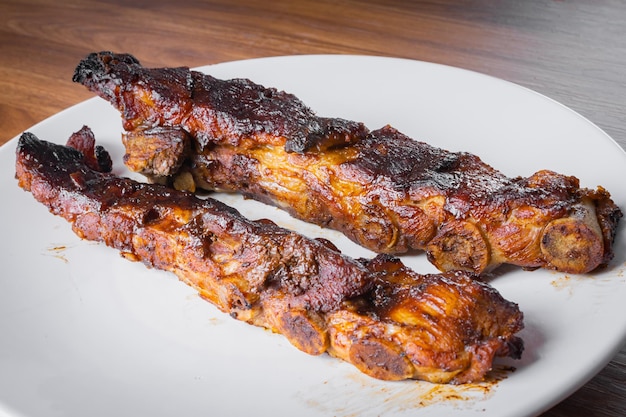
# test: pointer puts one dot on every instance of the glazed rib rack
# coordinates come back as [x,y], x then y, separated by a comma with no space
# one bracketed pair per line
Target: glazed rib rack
[382,189]
[387,320]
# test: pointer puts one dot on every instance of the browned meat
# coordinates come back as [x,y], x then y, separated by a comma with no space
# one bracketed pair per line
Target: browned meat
[387,320]
[382,189]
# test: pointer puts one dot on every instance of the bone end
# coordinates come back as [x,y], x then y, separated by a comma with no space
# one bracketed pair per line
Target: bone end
[574,244]
[459,246]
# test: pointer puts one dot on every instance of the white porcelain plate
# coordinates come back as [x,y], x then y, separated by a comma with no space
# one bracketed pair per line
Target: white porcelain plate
[84,332]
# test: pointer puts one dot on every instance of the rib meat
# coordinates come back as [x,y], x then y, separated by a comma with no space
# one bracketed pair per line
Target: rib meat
[377,314]
[382,189]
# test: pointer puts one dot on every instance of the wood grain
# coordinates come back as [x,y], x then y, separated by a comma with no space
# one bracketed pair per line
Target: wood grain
[572,51]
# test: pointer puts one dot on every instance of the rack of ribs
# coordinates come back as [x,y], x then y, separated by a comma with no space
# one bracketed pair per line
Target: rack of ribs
[377,314]
[384,190]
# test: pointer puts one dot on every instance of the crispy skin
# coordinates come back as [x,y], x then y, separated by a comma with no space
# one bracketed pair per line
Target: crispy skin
[382,189]
[387,320]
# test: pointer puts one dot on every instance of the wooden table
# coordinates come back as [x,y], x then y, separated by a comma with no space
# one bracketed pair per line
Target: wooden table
[573,51]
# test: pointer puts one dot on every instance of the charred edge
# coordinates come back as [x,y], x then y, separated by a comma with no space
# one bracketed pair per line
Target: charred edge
[98,63]
[326,133]
[30,146]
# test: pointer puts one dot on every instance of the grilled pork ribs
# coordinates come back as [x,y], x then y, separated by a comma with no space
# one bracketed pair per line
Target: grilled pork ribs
[387,320]
[383,190]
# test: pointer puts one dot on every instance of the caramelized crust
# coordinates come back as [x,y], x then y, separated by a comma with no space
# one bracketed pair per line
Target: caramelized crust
[382,189]
[379,315]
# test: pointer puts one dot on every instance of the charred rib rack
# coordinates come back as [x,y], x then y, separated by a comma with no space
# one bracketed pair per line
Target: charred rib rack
[377,314]
[382,189]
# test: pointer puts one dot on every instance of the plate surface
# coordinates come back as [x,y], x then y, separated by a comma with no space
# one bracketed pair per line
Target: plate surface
[85,332]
